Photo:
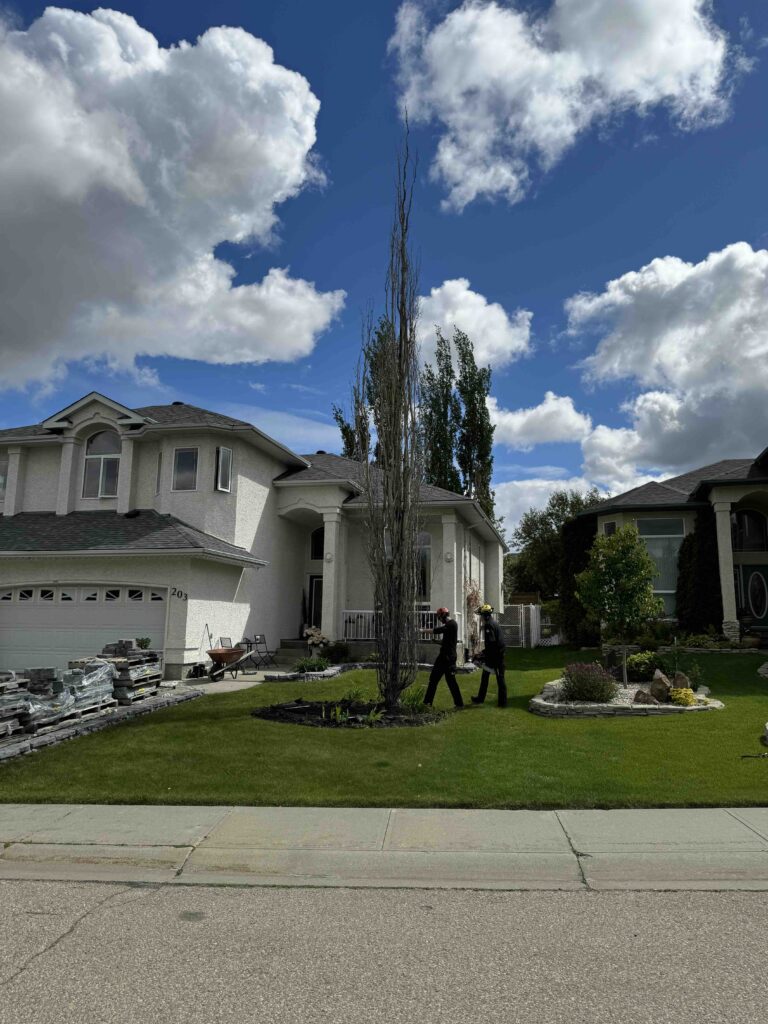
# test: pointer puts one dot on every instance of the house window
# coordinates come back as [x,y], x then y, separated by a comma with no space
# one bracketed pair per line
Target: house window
[423,566]
[224,469]
[159,477]
[66,595]
[317,544]
[6,595]
[25,595]
[609,529]
[3,475]
[663,538]
[749,530]
[90,595]
[46,595]
[156,595]
[111,595]
[102,465]
[185,469]
[136,595]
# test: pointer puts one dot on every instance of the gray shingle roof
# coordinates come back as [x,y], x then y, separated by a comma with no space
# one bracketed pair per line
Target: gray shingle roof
[183,415]
[108,531]
[682,490]
[335,468]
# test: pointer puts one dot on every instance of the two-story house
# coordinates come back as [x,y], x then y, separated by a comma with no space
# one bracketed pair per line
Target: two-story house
[185,526]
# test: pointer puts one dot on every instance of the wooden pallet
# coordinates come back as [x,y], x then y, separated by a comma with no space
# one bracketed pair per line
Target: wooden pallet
[103,707]
[139,693]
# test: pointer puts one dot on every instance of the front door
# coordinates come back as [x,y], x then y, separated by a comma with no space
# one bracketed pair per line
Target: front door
[755,584]
[316,601]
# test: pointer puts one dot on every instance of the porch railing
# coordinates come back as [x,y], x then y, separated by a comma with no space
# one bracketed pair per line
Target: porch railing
[363,623]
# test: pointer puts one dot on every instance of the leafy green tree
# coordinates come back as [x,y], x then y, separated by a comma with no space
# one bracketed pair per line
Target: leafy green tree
[440,418]
[539,540]
[699,600]
[474,444]
[617,585]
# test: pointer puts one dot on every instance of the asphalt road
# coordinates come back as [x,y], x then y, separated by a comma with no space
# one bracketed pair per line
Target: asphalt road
[95,953]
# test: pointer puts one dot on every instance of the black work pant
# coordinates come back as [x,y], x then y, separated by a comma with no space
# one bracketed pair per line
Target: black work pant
[501,682]
[443,667]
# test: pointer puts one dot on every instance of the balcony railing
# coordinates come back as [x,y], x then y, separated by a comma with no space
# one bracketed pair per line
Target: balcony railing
[363,623]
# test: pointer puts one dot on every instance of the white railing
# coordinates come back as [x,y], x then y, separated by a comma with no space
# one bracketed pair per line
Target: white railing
[362,623]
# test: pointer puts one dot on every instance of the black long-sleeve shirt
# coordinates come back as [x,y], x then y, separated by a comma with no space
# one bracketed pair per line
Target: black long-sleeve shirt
[450,632]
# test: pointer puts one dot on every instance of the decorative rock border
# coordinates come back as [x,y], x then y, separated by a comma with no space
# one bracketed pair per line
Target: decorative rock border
[670,649]
[28,743]
[588,709]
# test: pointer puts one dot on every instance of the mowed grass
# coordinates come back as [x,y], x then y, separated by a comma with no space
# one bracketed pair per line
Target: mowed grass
[211,751]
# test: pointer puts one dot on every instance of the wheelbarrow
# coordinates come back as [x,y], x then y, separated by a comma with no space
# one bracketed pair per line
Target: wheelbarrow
[230,659]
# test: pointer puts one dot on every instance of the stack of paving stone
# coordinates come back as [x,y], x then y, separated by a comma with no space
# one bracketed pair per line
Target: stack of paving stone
[91,686]
[138,673]
[14,703]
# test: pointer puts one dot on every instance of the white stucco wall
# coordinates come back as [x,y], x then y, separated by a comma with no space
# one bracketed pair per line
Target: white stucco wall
[41,478]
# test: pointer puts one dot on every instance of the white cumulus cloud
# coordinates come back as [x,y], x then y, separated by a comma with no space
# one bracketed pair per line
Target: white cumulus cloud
[554,419]
[512,91]
[515,497]
[498,337]
[692,338]
[123,165]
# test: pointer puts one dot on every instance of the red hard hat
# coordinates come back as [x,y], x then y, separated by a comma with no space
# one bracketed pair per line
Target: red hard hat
[442,611]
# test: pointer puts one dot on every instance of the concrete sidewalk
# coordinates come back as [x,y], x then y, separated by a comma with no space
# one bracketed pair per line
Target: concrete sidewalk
[371,847]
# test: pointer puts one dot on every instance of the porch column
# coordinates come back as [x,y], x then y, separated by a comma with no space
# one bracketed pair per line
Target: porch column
[333,573]
[125,477]
[448,593]
[64,500]
[14,482]
[725,558]
[494,575]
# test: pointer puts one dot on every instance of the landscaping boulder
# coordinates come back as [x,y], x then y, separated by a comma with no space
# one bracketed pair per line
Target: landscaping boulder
[681,681]
[703,691]
[552,691]
[763,670]
[660,687]
[644,697]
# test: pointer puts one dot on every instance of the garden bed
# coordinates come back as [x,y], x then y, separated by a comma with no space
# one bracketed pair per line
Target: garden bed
[345,714]
[622,706]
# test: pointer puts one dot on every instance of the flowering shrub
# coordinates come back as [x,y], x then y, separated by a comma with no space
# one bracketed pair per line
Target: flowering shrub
[588,681]
[315,637]
[682,695]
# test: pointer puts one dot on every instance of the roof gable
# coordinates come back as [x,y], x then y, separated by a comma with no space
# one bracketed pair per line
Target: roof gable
[63,418]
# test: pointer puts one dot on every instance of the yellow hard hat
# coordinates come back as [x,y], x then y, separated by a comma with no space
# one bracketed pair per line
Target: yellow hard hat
[485,609]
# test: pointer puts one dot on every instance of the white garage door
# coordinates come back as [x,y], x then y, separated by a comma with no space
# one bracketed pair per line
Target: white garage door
[44,626]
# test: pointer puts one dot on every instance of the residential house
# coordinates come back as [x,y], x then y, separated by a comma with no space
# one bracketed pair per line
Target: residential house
[665,511]
[186,526]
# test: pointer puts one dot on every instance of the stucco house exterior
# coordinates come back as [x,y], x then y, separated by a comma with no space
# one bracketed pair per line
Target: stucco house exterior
[185,526]
[665,511]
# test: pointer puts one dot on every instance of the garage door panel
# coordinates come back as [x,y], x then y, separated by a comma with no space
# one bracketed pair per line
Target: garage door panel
[39,632]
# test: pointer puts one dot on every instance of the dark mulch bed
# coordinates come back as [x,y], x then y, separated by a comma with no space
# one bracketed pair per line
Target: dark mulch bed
[344,714]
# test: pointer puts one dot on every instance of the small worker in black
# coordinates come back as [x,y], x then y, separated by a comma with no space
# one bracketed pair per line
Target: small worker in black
[493,656]
[445,662]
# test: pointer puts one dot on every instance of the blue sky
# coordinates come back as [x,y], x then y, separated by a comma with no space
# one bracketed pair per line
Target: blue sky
[557,154]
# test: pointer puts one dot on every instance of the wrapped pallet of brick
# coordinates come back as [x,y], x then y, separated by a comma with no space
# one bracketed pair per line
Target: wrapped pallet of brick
[45,713]
[14,704]
[138,672]
[92,685]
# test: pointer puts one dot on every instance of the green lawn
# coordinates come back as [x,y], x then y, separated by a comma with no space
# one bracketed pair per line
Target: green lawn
[211,751]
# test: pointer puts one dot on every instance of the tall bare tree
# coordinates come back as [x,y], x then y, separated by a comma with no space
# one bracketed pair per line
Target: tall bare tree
[386,420]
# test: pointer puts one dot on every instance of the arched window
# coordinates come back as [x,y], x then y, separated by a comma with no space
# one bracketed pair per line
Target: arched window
[423,566]
[102,465]
[749,530]
[317,544]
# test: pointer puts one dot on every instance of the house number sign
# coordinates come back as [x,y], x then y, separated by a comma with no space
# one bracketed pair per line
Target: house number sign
[181,594]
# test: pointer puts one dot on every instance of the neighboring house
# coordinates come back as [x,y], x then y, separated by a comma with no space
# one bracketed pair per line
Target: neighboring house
[186,526]
[664,512]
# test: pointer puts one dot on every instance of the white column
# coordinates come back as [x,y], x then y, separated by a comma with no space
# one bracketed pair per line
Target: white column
[494,575]
[448,595]
[333,569]
[67,463]
[125,478]
[725,557]
[15,482]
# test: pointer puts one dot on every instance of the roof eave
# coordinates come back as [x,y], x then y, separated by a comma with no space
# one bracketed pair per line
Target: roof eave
[209,553]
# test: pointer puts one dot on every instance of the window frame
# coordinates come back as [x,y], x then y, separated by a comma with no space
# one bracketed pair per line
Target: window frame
[159,474]
[662,536]
[102,459]
[737,531]
[217,485]
[4,465]
[185,448]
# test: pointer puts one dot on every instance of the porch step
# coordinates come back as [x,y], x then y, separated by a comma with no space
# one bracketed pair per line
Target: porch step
[293,645]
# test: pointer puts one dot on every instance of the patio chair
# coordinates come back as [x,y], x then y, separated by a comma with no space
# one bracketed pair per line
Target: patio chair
[266,657]
[225,641]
